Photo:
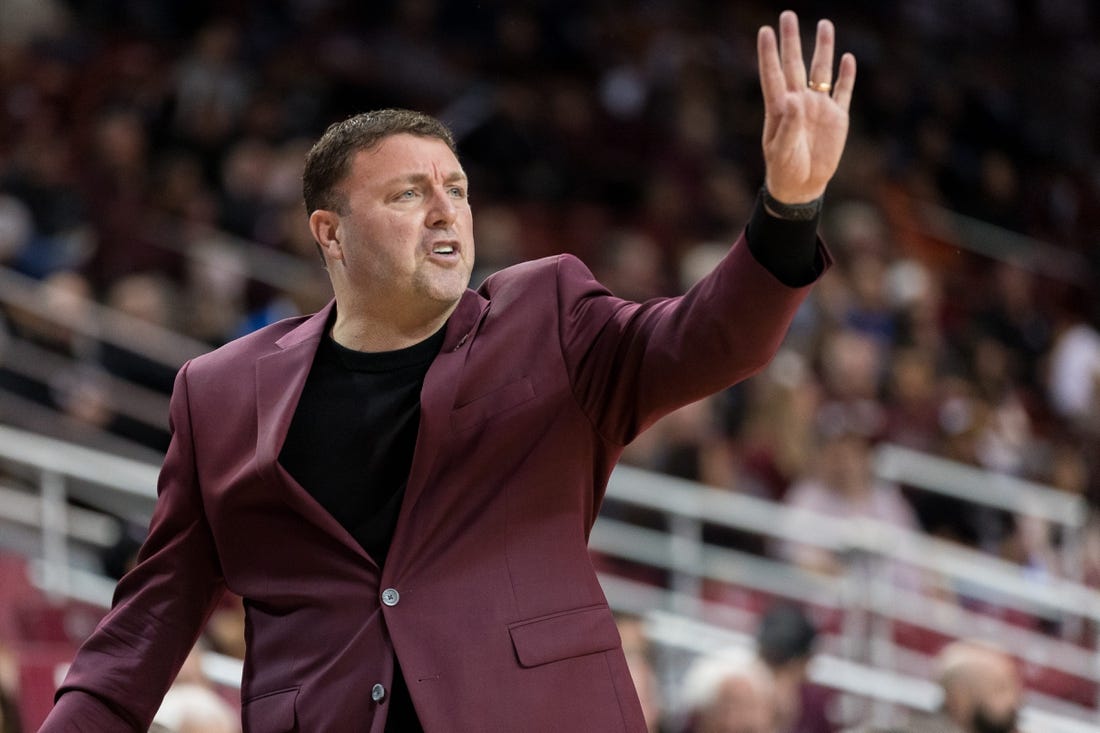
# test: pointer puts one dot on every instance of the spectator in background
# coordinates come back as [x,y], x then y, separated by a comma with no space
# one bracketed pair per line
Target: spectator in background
[981,691]
[785,642]
[191,708]
[41,221]
[630,266]
[1073,374]
[916,293]
[649,693]
[117,188]
[729,692]
[217,282]
[843,485]
[1013,316]
[852,365]
[10,719]
[16,228]
[776,440]
[152,298]
[244,172]
[639,660]
[9,714]
[211,87]
[912,403]
[65,296]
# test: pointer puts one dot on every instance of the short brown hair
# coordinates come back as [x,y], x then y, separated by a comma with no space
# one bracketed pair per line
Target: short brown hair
[328,161]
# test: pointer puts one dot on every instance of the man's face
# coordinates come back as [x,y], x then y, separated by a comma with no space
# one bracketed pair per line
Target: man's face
[406,233]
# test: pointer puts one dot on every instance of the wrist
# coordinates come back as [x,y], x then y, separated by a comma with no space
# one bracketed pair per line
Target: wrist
[792,212]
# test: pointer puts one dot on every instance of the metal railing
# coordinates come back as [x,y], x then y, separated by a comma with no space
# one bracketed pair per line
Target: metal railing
[979,486]
[699,505]
[99,322]
[141,404]
[61,466]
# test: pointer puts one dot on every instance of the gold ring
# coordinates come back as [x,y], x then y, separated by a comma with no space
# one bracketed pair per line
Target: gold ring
[820,86]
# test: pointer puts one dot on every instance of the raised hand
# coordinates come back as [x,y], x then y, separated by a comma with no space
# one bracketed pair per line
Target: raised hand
[805,118]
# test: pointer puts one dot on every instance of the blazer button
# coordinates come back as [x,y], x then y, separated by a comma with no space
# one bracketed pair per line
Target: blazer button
[378,693]
[390,597]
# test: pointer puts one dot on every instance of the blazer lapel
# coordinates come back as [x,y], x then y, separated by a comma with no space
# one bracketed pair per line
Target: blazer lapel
[437,397]
[280,378]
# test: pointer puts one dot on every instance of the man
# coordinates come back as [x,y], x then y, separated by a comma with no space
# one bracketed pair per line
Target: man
[730,692]
[785,643]
[192,708]
[401,486]
[981,691]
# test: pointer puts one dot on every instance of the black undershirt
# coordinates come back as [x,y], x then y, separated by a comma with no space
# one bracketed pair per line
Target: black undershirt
[350,445]
[351,441]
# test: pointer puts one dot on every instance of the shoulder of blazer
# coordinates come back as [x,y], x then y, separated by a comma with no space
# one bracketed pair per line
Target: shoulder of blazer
[241,352]
[531,274]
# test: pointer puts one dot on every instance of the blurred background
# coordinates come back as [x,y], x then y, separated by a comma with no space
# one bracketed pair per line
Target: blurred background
[917,466]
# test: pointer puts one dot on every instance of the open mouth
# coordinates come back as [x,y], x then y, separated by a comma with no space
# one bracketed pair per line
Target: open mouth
[446,249]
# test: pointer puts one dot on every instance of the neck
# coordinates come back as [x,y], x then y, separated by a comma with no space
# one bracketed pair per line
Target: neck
[361,332]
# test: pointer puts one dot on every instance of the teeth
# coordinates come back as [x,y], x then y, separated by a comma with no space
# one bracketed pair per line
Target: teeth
[444,250]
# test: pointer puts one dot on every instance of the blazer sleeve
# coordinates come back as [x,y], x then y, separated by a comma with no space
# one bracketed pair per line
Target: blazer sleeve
[630,363]
[121,673]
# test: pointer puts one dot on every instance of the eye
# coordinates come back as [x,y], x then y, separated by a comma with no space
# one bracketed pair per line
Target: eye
[407,195]
[458,192]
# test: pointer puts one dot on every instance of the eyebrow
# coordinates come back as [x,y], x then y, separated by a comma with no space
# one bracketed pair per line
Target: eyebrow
[418,178]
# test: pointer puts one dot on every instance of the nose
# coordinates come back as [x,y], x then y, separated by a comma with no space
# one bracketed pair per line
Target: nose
[443,211]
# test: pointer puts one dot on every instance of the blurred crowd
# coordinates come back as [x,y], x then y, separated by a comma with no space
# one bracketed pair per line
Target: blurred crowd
[140,140]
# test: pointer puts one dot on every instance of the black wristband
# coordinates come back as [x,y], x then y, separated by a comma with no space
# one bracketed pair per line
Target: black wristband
[787,248]
[791,212]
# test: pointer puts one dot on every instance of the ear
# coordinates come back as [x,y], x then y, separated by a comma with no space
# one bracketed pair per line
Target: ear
[325,226]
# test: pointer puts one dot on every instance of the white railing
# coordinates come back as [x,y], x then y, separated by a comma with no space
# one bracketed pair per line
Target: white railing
[687,506]
[58,465]
[96,321]
[1001,580]
[970,483]
[139,403]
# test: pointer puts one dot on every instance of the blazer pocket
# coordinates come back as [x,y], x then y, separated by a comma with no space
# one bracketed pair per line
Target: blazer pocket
[272,712]
[483,407]
[564,635]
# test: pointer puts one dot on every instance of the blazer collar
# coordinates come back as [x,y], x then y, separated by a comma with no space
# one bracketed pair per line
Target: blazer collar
[466,316]
[312,328]
[459,326]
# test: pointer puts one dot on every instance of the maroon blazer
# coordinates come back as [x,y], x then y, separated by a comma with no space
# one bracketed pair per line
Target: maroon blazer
[488,596]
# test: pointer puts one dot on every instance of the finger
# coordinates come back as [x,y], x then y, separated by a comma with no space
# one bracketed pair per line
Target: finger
[772,83]
[790,51]
[845,81]
[821,67]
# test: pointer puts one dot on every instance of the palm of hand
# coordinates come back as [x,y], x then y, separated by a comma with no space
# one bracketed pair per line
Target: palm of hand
[804,129]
